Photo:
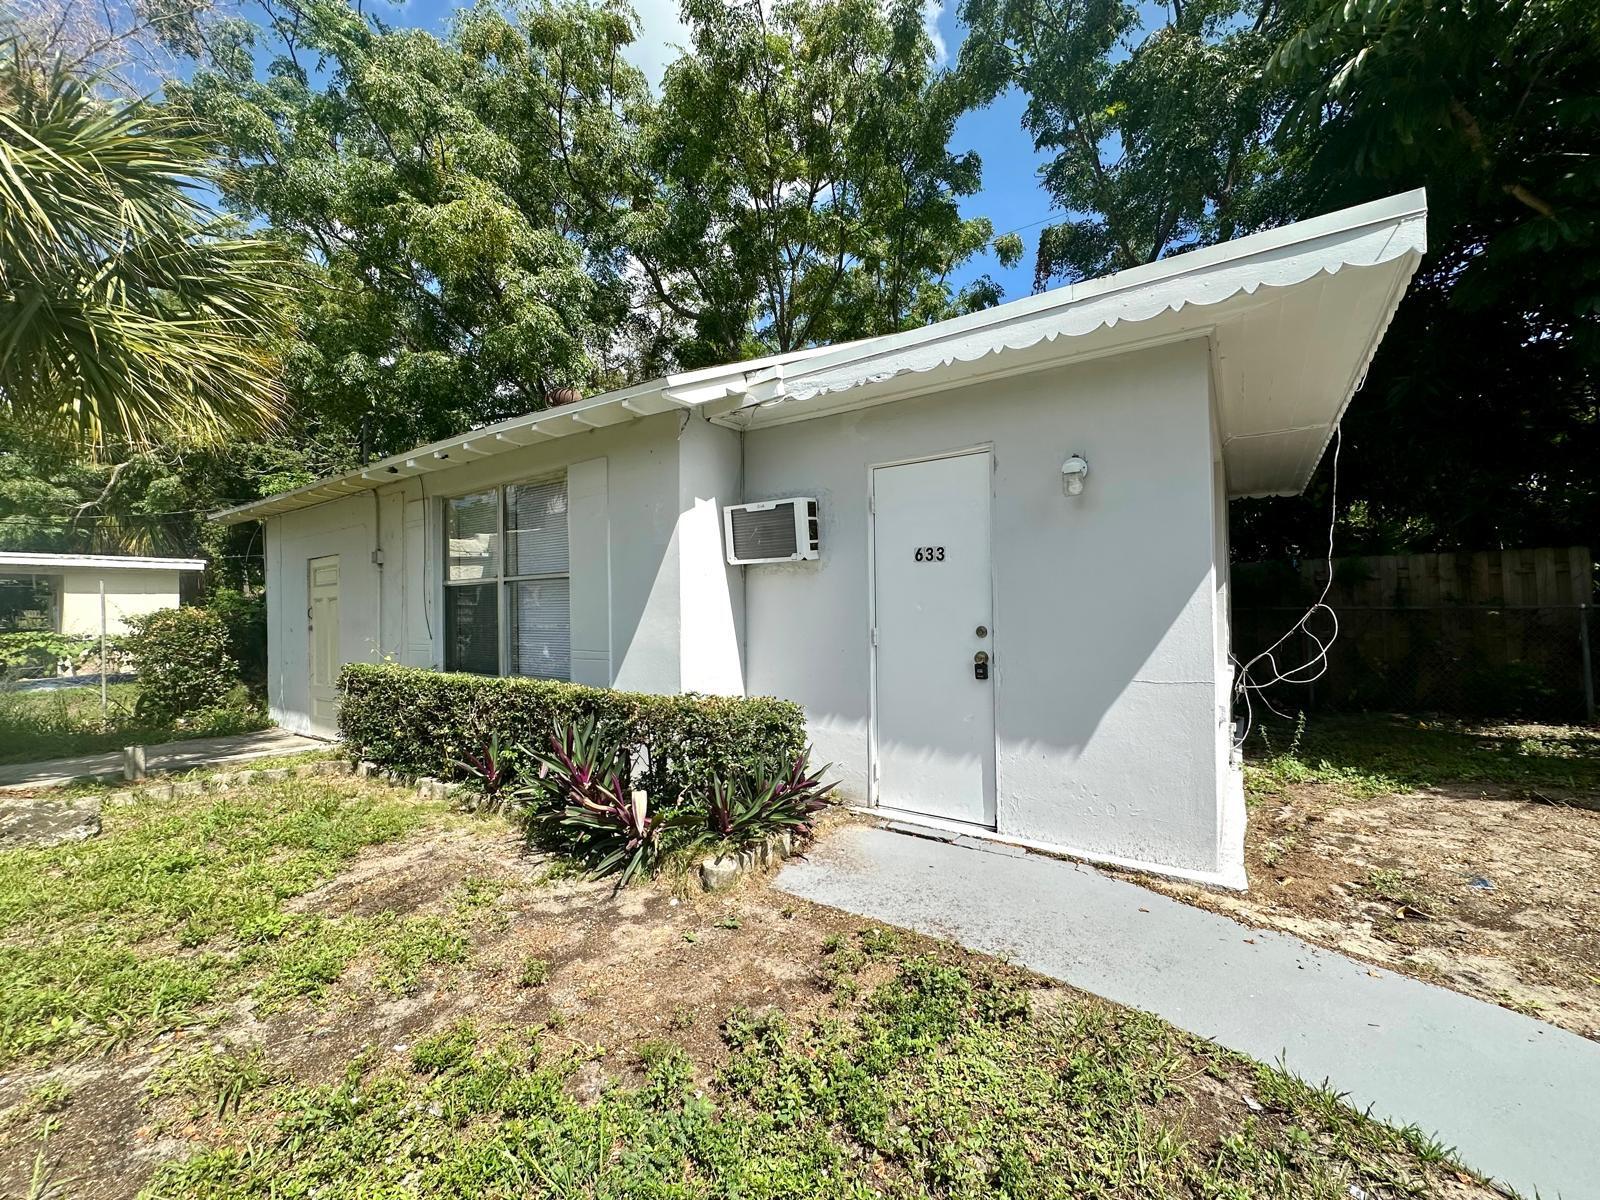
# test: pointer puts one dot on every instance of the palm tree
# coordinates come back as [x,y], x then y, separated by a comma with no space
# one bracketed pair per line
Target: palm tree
[129,314]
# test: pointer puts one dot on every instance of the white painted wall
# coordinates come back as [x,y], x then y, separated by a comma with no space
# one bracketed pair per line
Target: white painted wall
[623,482]
[710,592]
[344,527]
[129,592]
[1110,625]
[1105,652]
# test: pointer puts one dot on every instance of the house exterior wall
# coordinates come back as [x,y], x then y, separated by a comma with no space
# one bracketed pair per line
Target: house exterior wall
[625,511]
[1110,647]
[1109,714]
[129,592]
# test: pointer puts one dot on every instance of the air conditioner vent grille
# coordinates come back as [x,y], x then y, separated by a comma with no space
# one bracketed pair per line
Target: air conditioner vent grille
[764,533]
[772,531]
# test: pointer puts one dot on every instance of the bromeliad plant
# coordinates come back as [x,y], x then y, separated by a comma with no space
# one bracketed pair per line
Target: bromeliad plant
[743,811]
[582,801]
[494,767]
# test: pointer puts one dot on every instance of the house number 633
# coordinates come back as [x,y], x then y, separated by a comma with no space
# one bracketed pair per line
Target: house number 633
[930,554]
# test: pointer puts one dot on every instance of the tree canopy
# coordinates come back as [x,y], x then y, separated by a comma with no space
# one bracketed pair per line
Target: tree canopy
[1180,125]
[449,225]
[802,185]
[131,313]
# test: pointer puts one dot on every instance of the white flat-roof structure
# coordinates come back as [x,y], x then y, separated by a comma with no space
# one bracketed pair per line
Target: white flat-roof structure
[73,585]
[1009,611]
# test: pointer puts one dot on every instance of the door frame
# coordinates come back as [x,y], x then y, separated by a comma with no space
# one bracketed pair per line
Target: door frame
[311,646]
[996,669]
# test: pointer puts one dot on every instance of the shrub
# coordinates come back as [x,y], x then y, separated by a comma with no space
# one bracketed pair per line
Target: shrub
[743,810]
[34,653]
[245,619]
[583,803]
[428,721]
[183,661]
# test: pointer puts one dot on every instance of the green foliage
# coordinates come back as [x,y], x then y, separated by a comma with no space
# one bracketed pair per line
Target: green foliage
[244,620]
[214,1081]
[1160,120]
[455,193]
[583,802]
[154,499]
[1374,755]
[1489,104]
[184,661]
[40,725]
[943,1083]
[131,313]
[35,650]
[181,902]
[427,721]
[801,186]
[743,809]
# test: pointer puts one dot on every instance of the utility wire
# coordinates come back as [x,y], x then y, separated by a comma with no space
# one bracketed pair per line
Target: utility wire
[1314,667]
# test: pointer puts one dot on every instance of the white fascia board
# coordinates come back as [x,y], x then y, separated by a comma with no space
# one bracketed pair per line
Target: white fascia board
[1367,235]
[19,560]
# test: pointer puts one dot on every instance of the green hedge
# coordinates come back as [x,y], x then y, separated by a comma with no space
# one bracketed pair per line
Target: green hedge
[429,721]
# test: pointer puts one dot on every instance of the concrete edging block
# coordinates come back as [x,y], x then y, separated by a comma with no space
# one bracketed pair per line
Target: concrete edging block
[718,871]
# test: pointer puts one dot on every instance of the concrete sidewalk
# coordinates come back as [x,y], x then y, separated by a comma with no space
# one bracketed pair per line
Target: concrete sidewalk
[161,759]
[1517,1098]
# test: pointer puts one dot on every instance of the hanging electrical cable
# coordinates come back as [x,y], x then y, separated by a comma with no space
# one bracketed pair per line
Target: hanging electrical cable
[1246,687]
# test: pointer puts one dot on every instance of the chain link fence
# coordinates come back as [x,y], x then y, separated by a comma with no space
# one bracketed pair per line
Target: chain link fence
[1530,662]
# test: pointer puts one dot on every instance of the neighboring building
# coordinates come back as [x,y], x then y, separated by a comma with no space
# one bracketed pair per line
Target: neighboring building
[64,590]
[1015,614]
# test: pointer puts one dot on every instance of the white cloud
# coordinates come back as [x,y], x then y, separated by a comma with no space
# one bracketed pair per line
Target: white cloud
[662,35]
[932,10]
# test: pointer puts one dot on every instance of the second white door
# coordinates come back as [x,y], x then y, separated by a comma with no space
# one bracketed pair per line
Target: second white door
[322,617]
[934,638]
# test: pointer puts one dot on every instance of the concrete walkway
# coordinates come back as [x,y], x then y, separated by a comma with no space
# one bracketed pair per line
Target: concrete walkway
[1517,1098]
[163,759]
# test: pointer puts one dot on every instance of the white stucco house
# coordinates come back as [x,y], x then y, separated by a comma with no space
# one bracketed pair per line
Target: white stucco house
[996,571]
[69,587]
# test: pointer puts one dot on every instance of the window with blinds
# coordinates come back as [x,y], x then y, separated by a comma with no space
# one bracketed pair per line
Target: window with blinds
[507,570]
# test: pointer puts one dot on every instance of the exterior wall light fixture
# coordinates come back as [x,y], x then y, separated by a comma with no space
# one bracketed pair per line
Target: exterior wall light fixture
[1073,472]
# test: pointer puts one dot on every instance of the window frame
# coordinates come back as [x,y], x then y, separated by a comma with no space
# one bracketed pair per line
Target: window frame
[502,580]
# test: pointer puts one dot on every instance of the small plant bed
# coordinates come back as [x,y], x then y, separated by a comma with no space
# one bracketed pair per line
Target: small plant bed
[1467,856]
[384,997]
[619,784]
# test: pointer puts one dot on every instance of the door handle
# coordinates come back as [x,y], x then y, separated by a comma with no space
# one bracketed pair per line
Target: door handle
[980,665]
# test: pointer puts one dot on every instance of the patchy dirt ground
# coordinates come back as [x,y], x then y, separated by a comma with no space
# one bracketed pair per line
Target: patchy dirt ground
[621,970]
[609,973]
[1491,890]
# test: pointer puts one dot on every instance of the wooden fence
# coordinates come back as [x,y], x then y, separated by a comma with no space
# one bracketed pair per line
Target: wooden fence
[1493,633]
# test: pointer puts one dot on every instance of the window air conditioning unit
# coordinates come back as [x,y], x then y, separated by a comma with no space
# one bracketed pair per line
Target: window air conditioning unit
[772,531]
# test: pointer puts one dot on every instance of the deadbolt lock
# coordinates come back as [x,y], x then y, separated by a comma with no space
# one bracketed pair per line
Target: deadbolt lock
[982,631]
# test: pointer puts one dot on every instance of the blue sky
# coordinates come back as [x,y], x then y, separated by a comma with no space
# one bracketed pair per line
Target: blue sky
[1011,197]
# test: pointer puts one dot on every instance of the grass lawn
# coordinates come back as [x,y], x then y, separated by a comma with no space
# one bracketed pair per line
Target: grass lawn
[325,987]
[1465,855]
[1369,755]
[39,725]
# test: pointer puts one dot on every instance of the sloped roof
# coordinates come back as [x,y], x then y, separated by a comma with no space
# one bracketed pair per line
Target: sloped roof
[1293,316]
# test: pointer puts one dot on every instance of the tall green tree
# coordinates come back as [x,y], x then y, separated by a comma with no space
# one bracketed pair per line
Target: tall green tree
[1479,425]
[128,312]
[455,194]
[803,188]
[1160,120]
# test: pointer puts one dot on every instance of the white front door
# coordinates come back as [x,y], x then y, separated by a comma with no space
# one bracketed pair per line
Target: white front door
[934,638]
[322,630]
